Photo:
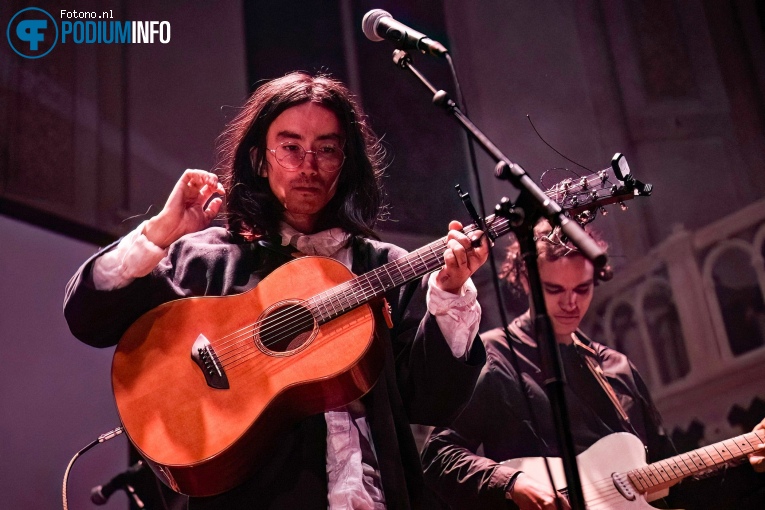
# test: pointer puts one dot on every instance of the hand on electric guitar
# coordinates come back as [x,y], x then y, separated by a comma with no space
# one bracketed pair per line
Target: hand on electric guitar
[461,259]
[185,210]
[757,459]
[529,494]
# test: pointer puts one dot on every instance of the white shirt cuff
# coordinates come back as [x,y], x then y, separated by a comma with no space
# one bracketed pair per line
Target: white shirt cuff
[457,315]
[133,257]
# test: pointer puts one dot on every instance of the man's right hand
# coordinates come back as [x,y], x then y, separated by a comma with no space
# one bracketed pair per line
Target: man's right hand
[185,210]
[529,494]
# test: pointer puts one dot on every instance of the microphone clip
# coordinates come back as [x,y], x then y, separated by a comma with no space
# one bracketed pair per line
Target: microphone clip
[477,219]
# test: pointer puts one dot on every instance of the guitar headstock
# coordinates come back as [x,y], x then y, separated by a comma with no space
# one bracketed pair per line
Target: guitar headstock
[582,197]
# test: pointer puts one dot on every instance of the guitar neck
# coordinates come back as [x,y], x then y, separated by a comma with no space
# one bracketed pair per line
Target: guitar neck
[374,284]
[667,472]
[580,197]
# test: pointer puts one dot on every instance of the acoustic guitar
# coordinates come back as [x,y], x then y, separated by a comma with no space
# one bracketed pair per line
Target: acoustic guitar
[615,475]
[204,384]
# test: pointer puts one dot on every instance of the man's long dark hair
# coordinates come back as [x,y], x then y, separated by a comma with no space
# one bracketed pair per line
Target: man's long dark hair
[252,209]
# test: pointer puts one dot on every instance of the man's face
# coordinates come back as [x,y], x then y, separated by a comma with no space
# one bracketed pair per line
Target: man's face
[303,191]
[567,284]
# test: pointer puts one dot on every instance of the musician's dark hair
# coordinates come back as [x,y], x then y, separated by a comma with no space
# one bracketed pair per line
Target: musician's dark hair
[551,246]
[251,208]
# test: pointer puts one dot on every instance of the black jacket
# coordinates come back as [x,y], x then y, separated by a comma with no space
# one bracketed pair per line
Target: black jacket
[498,419]
[421,381]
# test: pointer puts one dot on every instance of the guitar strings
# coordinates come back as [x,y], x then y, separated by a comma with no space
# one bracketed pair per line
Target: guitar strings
[335,293]
[418,267]
[340,302]
[281,333]
[325,300]
[298,318]
[276,321]
[367,291]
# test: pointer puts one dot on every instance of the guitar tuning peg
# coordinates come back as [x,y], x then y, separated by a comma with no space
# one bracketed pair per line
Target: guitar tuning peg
[623,206]
[603,211]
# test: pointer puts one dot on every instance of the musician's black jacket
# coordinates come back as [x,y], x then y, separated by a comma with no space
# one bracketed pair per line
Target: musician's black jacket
[421,382]
[497,418]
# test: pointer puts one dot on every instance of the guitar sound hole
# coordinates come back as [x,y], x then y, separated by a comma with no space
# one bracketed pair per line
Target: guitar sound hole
[286,327]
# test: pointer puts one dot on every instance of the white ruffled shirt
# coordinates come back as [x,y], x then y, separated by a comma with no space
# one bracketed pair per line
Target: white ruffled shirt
[352,473]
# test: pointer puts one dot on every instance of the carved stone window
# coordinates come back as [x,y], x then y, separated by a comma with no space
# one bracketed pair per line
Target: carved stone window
[665,333]
[624,333]
[731,274]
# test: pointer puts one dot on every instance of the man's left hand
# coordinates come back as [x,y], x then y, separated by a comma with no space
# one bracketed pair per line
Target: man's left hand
[757,459]
[461,259]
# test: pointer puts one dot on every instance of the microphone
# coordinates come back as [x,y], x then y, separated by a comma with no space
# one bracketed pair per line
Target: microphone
[379,24]
[100,495]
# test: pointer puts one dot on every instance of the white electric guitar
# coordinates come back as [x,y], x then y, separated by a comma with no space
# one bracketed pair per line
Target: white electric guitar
[615,475]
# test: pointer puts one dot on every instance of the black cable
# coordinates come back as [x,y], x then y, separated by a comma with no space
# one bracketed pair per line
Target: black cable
[102,438]
[556,150]
[494,279]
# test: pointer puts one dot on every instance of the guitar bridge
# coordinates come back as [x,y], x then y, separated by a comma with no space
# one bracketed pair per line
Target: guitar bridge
[204,356]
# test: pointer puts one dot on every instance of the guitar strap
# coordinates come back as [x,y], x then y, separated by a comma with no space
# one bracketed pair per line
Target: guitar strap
[591,358]
[274,246]
[288,251]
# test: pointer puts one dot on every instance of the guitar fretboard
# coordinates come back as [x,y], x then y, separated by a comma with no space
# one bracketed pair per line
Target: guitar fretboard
[695,462]
[362,289]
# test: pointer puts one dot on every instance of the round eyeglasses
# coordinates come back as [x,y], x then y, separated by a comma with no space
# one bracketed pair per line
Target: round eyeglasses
[329,156]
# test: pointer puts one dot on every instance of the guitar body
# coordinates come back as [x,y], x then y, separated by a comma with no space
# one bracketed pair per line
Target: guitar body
[615,453]
[203,440]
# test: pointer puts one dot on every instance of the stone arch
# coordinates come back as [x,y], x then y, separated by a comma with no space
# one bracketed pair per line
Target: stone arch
[624,325]
[662,329]
[733,289]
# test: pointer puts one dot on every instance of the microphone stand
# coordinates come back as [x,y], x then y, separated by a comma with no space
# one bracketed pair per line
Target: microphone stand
[531,205]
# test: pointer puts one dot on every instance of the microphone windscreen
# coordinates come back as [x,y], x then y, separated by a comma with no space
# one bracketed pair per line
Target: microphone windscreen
[369,23]
[97,496]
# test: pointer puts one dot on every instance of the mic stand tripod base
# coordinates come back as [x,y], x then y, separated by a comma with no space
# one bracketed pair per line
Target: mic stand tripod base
[533,200]
[523,216]
[131,492]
